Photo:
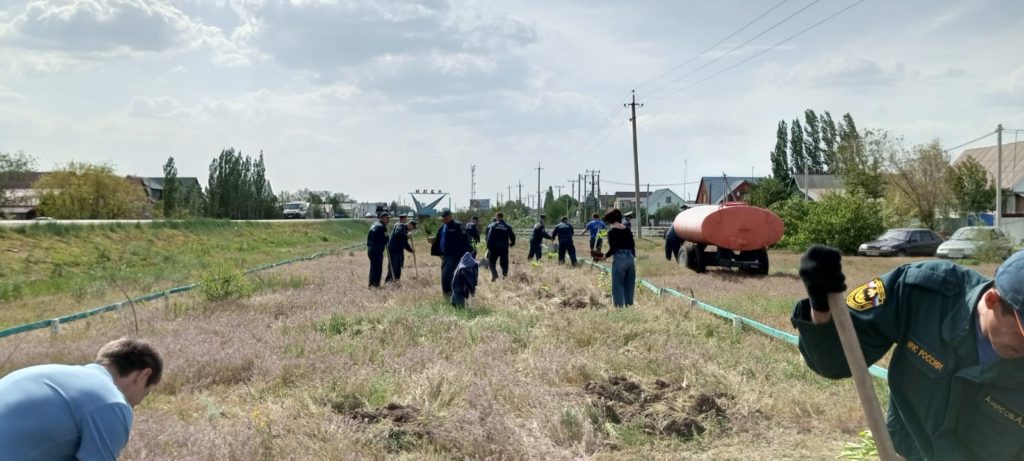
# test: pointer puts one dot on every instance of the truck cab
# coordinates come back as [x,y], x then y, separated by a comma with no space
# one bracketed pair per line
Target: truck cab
[296,210]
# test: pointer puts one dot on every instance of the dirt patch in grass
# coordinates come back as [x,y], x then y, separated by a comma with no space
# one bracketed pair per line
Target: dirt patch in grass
[398,427]
[394,412]
[663,409]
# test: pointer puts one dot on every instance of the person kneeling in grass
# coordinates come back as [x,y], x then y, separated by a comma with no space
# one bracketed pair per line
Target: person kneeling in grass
[623,248]
[68,412]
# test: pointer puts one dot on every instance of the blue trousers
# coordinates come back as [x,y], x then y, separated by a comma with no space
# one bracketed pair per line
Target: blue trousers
[397,262]
[566,247]
[448,266]
[623,278]
[496,258]
[376,266]
[535,250]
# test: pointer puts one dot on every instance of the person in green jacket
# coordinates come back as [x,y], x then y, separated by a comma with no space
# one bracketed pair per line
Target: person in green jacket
[956,376]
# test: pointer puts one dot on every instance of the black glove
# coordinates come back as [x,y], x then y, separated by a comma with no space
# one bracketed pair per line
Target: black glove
[822,273]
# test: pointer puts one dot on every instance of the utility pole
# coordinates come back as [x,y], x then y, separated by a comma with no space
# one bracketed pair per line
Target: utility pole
[510,193]
[572,184]
[636,165]
[472,185]
[579,190]
[999,174]
[540,201]
[559,187]
[520,192]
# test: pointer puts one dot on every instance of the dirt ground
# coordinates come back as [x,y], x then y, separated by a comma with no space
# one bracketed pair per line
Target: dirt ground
[539,367]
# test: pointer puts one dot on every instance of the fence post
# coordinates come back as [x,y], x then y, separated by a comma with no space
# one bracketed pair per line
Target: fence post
[54,327]
[737,324]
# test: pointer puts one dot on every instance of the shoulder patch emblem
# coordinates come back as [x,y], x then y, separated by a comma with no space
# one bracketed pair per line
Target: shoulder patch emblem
[866,296]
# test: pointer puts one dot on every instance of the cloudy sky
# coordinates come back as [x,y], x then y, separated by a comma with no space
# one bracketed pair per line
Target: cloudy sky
[379,97]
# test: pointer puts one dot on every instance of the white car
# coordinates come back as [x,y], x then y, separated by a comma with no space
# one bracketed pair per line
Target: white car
[967,241]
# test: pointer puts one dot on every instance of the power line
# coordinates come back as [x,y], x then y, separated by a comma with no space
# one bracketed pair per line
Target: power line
[754,56]
[737,47]
[979,138]
[702,53]
[620,183]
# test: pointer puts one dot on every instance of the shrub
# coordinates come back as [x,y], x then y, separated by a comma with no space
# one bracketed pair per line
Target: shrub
[222,282]
[793,212]
[843,221]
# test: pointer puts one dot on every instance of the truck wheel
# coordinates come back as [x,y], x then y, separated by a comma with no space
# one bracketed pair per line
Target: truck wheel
[695,259]
[762,262]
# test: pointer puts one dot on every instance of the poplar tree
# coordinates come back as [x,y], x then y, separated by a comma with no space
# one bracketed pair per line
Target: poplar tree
[780,158]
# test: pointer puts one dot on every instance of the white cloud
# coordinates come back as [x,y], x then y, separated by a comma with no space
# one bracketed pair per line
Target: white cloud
[116,28]
[153,107]
[844,71]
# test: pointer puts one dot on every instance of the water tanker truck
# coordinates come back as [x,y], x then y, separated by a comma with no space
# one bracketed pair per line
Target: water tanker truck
[739,233]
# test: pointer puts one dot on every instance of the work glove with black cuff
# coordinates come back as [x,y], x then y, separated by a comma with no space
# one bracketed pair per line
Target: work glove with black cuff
[822,273]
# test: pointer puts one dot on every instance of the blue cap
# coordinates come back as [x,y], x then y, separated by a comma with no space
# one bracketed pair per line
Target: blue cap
[1010,284]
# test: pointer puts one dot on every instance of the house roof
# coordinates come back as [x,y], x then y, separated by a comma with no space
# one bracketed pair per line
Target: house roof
[631,194]
[24,180]
[717,184]
[819,181]
[1013,162]
[158,183]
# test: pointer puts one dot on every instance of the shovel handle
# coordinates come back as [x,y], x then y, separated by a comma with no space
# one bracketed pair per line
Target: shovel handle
[862,380]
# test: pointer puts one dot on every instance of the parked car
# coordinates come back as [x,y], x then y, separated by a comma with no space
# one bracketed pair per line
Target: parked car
[967,241]
[902,242]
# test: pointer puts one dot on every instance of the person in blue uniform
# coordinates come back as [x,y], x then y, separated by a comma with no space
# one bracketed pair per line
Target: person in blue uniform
[472,229]
[625,220]
[594,226]
[956,374]
[450,243]
[397,246]
[673,242]
[376,243]
[69,412]
[536,238]
[564,233]
[499,238]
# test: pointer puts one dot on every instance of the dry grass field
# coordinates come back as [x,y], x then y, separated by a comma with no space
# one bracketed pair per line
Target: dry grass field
[540,367]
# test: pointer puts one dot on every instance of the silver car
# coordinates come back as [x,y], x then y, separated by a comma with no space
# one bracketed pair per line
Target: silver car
[967,241]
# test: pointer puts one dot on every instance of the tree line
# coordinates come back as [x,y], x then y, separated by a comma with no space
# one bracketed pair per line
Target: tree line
[237,188]
[885,181]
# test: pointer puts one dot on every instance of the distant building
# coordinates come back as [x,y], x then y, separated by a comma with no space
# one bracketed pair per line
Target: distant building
[155,186]
[20,199]
[1012,180]
[714,190]
[662,198]
[813,186]
[626,200]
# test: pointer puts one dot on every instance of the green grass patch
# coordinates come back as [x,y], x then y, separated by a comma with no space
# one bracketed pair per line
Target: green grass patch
[49,269]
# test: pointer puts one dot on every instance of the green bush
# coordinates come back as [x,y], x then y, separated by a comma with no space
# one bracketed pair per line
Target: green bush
[843,221]
[222,282]
[793,212]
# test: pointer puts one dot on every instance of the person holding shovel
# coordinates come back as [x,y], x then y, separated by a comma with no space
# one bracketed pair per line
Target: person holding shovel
[536,238]
[397,246]
[956,376]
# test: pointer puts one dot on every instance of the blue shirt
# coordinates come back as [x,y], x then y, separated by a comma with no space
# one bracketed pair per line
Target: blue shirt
[62,412]
[444,230]
[595,225]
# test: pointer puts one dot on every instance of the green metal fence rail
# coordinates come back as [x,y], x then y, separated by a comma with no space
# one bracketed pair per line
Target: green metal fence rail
[54,324]
[737,319]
